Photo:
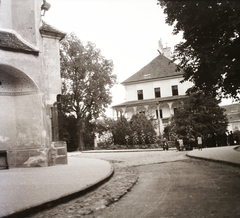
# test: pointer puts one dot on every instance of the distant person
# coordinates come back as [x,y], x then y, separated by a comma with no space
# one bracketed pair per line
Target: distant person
[177,145]
[231,138]
[199,142]
[227,138]
[165,144]
[215,140]
[180,144]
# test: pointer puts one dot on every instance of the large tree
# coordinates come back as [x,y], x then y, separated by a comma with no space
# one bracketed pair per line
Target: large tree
[210,51]
[86,82]
[199,115]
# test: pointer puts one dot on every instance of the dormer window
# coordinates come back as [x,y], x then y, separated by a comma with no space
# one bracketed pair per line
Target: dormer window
[140,94]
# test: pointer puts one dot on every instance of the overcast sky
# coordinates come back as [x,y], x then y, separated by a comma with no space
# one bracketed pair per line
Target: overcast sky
[126,31]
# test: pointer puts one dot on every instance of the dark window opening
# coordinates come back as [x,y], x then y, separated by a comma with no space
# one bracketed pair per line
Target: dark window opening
[140,94]
[174,90]
[157,92]
[160,112]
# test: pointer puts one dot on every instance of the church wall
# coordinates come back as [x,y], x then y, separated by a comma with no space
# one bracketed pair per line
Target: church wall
[25,63]
[51,79]
[29,129]
[6,14]
[30,83]
[29,122]
[28,25]
[8,122]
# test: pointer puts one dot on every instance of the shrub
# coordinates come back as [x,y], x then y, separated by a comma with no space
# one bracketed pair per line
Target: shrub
[143,129]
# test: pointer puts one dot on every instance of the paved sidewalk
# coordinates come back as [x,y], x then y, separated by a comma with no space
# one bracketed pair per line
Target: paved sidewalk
[25,188]
[228,154]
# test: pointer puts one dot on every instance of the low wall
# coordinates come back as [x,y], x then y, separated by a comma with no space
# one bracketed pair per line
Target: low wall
[40,157]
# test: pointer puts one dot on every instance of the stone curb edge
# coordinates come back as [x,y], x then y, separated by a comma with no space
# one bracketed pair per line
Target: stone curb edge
[63,199]
[126,150]
[237,147]
[214,160]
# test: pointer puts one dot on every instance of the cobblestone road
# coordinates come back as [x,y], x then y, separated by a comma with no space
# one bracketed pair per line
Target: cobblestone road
[124,178]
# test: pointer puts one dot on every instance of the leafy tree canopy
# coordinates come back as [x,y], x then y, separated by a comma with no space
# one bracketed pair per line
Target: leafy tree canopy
[140,123]
[210,53]
[120,130]
[86,81]
[199,115]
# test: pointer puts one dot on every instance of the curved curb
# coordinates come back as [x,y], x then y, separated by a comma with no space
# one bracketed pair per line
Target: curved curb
[62,199]
[126,150]
[214,160]
[237,148]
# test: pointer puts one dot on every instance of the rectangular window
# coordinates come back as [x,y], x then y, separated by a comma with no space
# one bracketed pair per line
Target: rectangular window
[175,110]
[160,112]
[140,94]
[157,92]
[174,90]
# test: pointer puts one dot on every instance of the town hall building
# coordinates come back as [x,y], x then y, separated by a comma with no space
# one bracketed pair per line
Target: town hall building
[156,90]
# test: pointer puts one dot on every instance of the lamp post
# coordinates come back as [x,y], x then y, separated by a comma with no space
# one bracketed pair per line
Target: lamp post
[45,7]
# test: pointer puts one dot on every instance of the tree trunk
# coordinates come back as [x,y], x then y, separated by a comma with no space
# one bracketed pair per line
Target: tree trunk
[81,145]
[80,141]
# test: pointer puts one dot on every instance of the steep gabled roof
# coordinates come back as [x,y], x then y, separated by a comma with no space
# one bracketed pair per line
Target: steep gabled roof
[160,67]
[232,108]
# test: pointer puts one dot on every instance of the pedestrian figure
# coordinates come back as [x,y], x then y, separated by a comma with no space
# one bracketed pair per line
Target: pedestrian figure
[177,145]
[181,144]
[165,144]
[230,138]
[199,142]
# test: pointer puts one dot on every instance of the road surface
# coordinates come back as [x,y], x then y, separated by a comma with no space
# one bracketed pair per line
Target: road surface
[169,185]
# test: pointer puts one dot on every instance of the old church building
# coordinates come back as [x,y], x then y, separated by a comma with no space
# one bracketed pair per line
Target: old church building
[29,85]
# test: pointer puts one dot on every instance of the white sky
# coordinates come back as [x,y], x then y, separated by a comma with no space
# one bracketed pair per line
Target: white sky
[126,31]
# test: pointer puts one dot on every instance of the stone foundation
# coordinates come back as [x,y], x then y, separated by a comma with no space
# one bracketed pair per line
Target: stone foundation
[41,157]
[28,157]
[58,153]
[3,160]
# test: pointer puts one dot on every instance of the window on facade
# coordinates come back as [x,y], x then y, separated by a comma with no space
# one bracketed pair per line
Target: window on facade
[160,112]
[140,94]
[157,92]
[174,90]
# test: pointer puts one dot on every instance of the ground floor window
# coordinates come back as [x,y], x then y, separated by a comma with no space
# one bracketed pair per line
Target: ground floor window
[160,112]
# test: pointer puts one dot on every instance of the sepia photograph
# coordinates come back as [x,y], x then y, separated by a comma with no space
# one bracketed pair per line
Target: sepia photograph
[119,109]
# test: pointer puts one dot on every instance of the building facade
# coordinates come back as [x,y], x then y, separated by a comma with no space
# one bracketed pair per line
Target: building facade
[233,115]
[155,90]
[29,84]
